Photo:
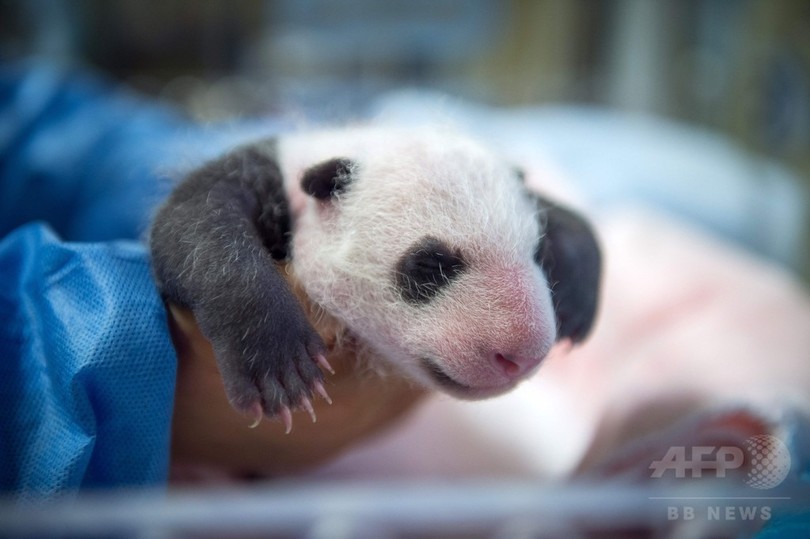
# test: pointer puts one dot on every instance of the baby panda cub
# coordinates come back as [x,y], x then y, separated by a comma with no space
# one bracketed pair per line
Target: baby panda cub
[425,247]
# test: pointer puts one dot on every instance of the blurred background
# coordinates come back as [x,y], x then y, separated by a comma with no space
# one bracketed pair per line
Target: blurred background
[740,68]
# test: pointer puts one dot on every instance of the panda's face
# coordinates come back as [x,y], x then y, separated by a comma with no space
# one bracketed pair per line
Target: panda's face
[424,247]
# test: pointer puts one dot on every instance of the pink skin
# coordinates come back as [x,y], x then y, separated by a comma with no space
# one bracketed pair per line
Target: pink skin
[501,337]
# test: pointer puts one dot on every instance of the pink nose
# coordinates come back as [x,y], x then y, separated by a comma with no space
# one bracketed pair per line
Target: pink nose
[513,366]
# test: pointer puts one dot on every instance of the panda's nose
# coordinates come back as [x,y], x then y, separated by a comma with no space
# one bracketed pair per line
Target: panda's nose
[513,366]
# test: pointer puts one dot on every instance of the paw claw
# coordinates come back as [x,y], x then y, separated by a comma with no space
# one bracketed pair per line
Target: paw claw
[321,359]
[305,402]
[256,412]
[322,391]
[286,419]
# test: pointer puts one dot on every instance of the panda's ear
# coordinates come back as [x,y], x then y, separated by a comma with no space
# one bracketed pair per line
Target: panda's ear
[327,179]
[570,256]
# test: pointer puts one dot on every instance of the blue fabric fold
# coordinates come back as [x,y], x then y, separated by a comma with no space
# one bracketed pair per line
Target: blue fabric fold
[88,369]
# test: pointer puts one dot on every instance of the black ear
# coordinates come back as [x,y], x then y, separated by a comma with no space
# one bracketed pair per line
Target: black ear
[327,179]
[570,257]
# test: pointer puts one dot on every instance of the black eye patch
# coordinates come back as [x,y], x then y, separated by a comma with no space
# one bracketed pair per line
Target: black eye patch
[327,179]
[427,268]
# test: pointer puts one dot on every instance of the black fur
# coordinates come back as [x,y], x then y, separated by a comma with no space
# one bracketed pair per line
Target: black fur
[427,268]
[214,244]
[327,179]
[570,257]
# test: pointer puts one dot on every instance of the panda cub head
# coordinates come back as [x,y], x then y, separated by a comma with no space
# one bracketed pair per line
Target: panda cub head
[429,249]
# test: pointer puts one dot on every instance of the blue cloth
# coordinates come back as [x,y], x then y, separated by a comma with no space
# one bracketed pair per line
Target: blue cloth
[80,154]
[87,368]
[92,159]
[87,372]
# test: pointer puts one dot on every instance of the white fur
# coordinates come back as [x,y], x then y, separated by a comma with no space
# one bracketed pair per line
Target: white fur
[408,184]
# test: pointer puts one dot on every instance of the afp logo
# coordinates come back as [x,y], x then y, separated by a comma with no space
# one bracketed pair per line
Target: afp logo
[769,461]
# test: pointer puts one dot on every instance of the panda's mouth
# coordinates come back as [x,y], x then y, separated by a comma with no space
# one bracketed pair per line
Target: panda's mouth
[442,378]
[449,384]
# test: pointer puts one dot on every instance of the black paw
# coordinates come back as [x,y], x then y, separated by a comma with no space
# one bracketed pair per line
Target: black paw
[272,367]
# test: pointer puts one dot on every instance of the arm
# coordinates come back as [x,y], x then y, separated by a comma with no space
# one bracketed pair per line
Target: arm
[214,245]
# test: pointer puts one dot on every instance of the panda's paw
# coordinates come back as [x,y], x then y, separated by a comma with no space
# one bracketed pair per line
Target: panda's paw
[273,381]
[256,412]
